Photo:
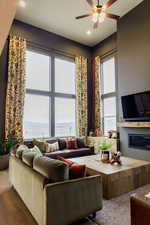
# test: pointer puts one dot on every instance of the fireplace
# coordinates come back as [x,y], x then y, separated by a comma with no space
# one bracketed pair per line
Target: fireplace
[139,141]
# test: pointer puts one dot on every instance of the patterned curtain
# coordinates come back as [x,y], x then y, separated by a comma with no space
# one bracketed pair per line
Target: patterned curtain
[97,106]
[81,93]
[15,87]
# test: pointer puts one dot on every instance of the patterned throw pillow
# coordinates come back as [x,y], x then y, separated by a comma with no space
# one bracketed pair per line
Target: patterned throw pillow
[41,144]
[52,147]
[20,150]
[36,150]
[71,143]
[24,149]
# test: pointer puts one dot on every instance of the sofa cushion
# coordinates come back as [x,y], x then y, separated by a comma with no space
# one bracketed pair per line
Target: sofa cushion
[75,170]
[36,150]
[41,144]
[81,142]
[52,147]
[65,160]
[20,151]
[52,169]
[69,153]
[71,143]
[62,143]
[27,157]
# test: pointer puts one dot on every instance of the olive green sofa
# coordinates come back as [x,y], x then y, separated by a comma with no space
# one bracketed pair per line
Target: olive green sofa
[44,186]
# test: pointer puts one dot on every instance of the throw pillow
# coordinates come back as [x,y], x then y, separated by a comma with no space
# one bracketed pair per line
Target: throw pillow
[75,170]
[81,142]
[52,147]
[36,150]
[20,150]
[65,160]
[62,143]
[71,144]
[41,144]
[24,149]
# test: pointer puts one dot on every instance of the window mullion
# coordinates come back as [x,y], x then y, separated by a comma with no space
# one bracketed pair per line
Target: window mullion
[53,97]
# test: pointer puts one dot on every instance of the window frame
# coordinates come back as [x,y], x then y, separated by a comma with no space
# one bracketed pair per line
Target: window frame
[51,93]
[111,94]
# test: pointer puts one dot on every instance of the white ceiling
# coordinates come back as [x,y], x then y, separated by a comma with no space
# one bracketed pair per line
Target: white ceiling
[58,16]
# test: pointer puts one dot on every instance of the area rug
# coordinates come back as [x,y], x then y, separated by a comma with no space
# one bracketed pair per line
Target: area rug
[116,211]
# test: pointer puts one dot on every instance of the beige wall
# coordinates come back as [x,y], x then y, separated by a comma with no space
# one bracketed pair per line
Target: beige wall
[7,13]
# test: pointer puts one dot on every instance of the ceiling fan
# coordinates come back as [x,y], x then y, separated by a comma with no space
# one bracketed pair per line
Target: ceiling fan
[99,12]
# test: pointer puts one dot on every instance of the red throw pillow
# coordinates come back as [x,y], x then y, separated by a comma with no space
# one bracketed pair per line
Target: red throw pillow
[75,170]
[71,144]
[65,160]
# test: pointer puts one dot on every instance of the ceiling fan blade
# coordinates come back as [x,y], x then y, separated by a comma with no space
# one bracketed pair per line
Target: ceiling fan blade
[112,16]
[83,16]
[108,4]
[90,2]
[96,25]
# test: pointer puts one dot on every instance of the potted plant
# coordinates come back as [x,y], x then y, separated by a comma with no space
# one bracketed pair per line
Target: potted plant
[105,148]
[5,148]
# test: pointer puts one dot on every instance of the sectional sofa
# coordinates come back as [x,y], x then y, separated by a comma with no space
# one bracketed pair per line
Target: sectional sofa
[82,150]
[52,198]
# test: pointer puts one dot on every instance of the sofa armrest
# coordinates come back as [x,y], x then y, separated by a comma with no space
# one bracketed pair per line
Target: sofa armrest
[68,201]
[140,211]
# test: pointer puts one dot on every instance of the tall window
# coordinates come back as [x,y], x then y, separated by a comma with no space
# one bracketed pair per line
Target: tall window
[50,96]
[65,100]
[109,94]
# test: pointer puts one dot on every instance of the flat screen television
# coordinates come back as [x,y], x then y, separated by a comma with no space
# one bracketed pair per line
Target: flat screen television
[136,107]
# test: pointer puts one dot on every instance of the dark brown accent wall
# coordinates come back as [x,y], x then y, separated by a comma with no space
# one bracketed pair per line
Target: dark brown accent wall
[105,47]
[133,44]
[51,42]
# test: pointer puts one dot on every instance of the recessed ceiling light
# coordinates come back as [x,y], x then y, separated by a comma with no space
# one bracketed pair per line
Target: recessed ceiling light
[22,3]
[88,32]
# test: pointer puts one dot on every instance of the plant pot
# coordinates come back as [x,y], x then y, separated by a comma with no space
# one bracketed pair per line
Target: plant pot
[4,162]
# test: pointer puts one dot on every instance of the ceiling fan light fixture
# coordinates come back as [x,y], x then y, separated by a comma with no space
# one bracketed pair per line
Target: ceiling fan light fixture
[104,7]
[95,17]
[101,18]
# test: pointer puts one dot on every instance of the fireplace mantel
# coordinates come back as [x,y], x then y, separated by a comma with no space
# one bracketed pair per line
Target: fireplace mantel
[134,124]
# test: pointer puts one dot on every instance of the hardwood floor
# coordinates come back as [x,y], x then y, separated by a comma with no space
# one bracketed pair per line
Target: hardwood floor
[12,209]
